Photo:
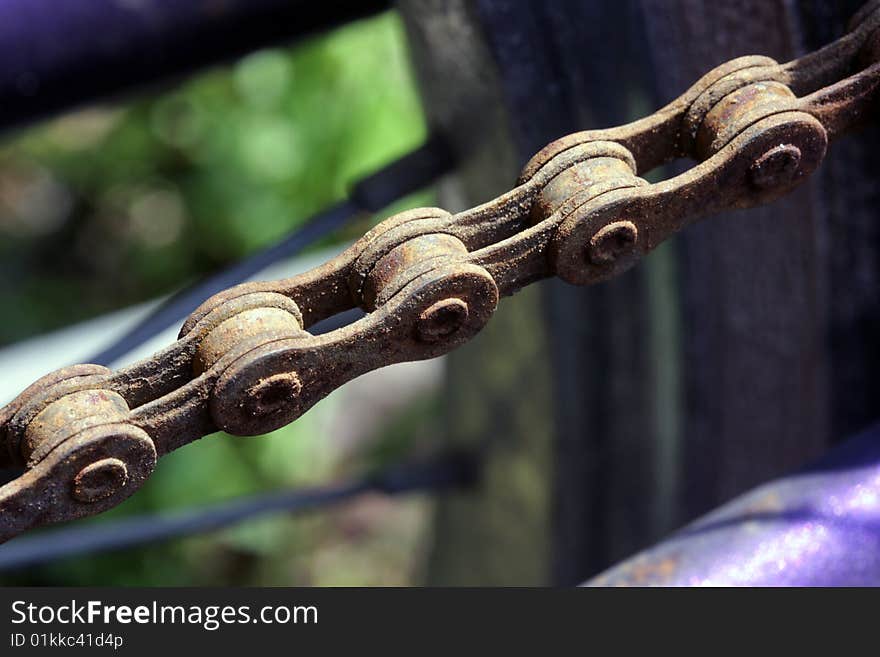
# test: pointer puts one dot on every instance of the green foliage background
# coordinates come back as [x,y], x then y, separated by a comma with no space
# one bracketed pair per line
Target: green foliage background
[115,205]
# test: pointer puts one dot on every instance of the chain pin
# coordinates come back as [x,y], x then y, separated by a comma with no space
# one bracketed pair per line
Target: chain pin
[272,395]
[99,480]
[614,240]
[442,319]
[777,167]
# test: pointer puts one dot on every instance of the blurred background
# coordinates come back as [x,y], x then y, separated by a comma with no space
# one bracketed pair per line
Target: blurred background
[117,205]
[603,417]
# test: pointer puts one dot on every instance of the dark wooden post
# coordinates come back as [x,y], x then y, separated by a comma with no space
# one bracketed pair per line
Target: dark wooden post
[730,355]
[778,304]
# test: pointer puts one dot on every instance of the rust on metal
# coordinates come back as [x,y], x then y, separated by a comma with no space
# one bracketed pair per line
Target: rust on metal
[776,167]
[442,319]
[99,480]
[87,437]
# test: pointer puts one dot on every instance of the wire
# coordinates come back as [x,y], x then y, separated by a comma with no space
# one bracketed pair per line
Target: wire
[181,304]
[448,470]
[405,175]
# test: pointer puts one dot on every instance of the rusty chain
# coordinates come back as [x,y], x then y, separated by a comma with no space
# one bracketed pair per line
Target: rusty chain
[88,437]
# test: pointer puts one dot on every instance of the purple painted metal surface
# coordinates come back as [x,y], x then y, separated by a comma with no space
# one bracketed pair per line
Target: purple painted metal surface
[55,54]
[817,527]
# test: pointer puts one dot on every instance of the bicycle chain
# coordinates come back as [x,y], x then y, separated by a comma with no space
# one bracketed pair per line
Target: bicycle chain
[429,280]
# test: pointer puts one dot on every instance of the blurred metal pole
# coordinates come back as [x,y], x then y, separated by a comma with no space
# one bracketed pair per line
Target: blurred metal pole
[439,473]
[817,527]
[57,54]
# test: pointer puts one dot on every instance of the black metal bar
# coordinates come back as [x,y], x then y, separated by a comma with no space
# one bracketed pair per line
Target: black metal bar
[57,54]
[445,471]
[405,175]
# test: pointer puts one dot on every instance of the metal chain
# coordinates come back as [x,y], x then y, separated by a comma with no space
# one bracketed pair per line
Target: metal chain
[429,280]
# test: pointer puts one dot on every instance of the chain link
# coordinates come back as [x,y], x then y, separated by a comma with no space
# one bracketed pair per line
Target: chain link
[245,363]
